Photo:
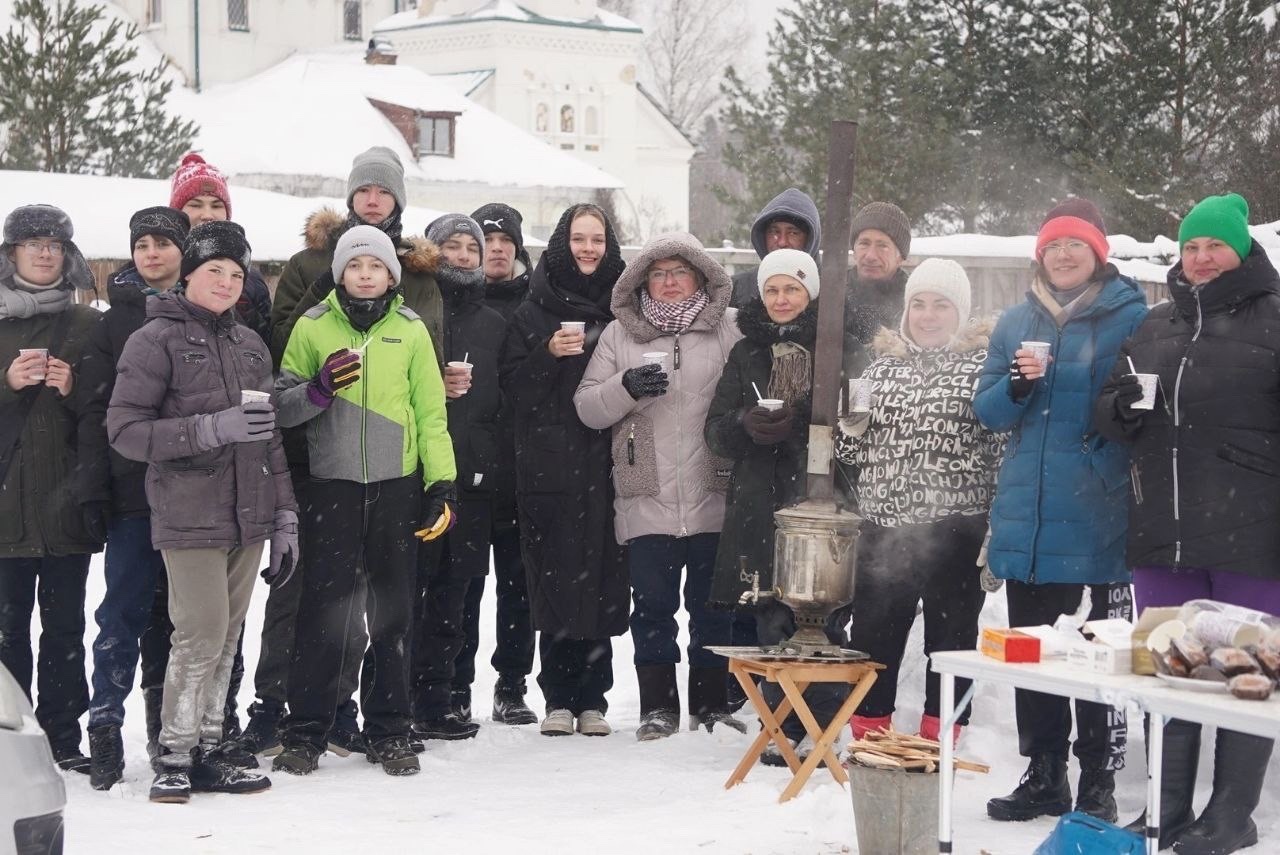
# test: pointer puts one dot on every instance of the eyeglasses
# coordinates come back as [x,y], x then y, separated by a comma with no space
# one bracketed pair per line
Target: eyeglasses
[1070,247]
[37,247]
[657,277]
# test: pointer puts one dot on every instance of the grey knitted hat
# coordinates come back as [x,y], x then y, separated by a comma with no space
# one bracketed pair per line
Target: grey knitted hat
[888,218]
[47,221]
[381,167]
[364,240]
[451,224]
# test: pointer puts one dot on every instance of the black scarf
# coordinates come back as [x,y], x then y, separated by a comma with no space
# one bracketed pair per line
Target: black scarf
[454,281]
[562,270]
[362,313]
[757,326]
[390,226]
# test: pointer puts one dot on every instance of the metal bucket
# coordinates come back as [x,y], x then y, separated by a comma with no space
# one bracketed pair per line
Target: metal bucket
[895,810]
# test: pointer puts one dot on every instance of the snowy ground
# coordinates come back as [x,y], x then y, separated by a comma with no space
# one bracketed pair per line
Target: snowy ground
[514,790]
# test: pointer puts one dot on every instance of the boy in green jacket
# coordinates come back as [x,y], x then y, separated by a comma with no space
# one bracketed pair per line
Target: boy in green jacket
[360,371]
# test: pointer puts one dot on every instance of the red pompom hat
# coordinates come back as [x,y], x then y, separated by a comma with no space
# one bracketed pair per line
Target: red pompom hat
[1074,218]
[197,178]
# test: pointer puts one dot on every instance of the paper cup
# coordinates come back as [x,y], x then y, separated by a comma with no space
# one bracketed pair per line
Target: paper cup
[656,357]
[44,354]
[1040,350]
[1149,382]
[860,395]
[1215,629]
[574,327]
[253,396]
[772,403]
[465,366]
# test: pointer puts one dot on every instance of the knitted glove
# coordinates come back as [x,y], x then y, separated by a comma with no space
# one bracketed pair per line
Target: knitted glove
[439,516]
[1128,392]
[647,381]
[284,549]
[768,427]
[1019,386]
[340,369]
[245,423]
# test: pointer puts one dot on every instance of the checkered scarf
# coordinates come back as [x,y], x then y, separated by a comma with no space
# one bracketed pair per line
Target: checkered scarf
[673,317]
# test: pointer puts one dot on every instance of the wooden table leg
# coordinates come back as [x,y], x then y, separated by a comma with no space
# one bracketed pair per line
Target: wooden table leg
[822,739]
[771,730]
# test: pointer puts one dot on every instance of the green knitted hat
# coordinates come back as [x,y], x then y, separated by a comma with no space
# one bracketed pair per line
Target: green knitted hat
[1223,217]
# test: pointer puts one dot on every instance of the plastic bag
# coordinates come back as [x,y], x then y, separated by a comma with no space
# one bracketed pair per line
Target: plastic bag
[1080,834]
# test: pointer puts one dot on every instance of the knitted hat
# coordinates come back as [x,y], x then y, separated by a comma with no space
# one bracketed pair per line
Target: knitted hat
[447,225]
[365,240]
[168,223]
[381,167]
[888,218]
[943,277]
[46,221]
[197,178]
[1077,218]
[797,264]
[1223,217]
[497,217]
[216,239]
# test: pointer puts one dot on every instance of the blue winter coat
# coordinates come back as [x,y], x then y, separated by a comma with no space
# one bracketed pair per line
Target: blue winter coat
[1062,498]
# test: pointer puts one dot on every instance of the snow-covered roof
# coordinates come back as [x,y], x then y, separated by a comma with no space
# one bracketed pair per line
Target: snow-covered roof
[505,10]
[100,208]
[310,115]
[466,82]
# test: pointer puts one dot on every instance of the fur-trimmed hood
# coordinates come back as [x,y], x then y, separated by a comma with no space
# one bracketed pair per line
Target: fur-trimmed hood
[976,336]
[324,226]
[625,303]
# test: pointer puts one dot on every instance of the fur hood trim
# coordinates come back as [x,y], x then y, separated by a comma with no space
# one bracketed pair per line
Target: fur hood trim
[323,228]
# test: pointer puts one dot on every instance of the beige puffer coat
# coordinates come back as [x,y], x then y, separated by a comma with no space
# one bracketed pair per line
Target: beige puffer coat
[665,479]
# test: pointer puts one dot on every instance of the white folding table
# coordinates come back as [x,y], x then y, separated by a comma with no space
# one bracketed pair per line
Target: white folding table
[1152,695]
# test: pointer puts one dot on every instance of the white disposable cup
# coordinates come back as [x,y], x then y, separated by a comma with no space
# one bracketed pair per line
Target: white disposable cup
[465,366]
[253,396]
[44,355]
[574,328]
[1148,399]
[656,357]
[1215,629]
[860,395]
[772,403]
[1040,350]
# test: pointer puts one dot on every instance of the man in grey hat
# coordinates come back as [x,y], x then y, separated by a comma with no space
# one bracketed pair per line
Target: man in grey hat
[881,243]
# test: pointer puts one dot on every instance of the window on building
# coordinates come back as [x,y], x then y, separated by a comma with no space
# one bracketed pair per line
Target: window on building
[435,135]
[351,25]
[238,15]
[591,122]
[566,119]
[155,11]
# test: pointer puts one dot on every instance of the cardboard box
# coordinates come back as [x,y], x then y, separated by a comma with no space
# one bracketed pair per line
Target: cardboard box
[1147,621]
[1010,645]
[1107,647]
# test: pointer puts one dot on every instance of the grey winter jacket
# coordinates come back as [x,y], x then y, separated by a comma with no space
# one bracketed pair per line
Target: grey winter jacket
[182,363]
[790,204]
[665,479]
[922,454]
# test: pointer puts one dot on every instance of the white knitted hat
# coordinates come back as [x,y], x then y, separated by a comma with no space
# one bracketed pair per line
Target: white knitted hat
[940,276]
[799,265]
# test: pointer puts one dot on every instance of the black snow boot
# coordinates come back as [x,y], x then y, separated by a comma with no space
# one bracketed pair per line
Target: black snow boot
[450,727]
[709,699]
[212,774]
[232,753]
[1226,824]
[508,702]
[345,737]
[1181,756]
[262,734]
[70,758]
[1096,794]
[395,755]
[659,701]
[172,783]
[152,701]
[106,756]
[658,724]
[298,758]
[460,703]
[1044,791]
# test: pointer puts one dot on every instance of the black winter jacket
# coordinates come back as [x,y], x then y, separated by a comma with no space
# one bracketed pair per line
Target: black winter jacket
[504,298]
[577,572]
[765,477]
[1206,460]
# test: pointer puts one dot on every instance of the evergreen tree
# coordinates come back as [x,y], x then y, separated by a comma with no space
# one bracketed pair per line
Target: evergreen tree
[73,100]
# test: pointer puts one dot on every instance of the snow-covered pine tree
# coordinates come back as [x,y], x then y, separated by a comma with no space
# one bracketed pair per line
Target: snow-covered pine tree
[74,99]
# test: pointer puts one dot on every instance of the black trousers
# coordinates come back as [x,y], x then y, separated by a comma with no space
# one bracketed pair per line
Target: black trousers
[897,568]
[349,526]
[57,583]
[438,633]
[1044,721]
[513,656]
[576,673]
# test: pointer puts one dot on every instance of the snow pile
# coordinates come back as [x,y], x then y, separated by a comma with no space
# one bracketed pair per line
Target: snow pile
[501,10]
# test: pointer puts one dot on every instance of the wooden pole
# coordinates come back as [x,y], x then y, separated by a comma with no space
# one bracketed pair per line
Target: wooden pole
[828,358]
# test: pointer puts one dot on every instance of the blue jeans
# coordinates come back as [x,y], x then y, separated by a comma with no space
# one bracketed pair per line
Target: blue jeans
[132,567]
[655,563]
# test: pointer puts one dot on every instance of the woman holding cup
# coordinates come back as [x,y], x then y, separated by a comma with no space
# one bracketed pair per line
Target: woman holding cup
[926,477]
[650,382]
[577,573]
[1059,516]
[1206,482]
